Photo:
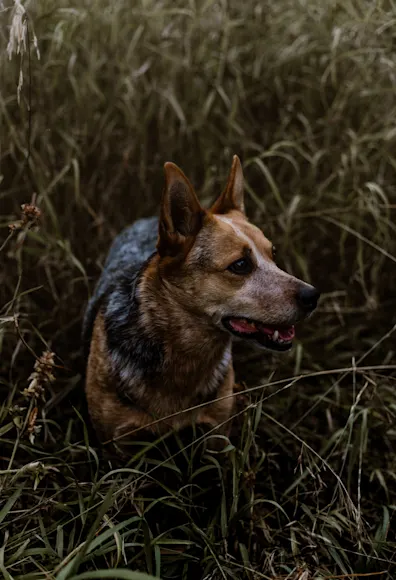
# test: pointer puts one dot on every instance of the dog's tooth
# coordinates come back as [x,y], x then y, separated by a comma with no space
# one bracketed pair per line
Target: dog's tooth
[275,335]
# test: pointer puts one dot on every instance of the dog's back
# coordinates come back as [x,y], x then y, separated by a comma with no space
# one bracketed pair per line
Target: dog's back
[129,251]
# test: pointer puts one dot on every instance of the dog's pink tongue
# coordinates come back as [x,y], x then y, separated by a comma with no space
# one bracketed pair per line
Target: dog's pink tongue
[241,325]
[287,333]
[244,326]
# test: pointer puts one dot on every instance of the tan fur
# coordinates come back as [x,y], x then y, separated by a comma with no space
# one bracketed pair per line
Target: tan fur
[184,293]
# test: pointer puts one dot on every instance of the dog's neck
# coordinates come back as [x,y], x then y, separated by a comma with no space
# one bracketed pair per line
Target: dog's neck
[156,341]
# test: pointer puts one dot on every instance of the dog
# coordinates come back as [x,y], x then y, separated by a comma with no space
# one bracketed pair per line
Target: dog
[173,293]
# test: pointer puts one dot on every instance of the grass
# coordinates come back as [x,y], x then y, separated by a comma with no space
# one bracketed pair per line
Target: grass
[305,93]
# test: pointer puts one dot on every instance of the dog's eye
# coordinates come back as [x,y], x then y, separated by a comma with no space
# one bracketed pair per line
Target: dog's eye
[273,252]
[241,267]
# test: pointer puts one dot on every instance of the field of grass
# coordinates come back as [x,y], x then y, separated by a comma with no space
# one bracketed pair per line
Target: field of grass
[304,91]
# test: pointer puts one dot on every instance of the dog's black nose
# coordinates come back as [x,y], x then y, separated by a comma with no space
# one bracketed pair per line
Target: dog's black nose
[308,298]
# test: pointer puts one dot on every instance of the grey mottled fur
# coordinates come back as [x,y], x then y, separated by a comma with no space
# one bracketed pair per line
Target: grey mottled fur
[130,249]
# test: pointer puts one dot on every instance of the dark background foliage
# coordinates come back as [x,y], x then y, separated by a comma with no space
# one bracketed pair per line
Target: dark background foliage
[304,93]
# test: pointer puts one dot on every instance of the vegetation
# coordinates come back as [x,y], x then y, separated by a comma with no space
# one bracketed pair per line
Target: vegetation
[305,92]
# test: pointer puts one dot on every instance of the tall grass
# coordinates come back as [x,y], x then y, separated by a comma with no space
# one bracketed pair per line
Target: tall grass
[305,92]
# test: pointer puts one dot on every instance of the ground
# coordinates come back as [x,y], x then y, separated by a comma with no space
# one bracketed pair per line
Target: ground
[95,97]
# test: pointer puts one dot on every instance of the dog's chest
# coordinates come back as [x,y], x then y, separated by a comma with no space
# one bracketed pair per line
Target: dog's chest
[164,395]
[220,370]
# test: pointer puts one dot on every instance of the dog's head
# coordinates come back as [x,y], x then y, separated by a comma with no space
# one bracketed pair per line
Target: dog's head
[222,267]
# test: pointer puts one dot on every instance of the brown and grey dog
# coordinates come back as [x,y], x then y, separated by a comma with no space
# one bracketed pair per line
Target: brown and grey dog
[173,293]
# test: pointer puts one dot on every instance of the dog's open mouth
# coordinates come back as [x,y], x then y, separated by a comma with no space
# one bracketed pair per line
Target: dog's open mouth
[273,337]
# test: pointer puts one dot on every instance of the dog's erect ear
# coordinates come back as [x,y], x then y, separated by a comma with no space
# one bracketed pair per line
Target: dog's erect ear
[181,213]
[233,194]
